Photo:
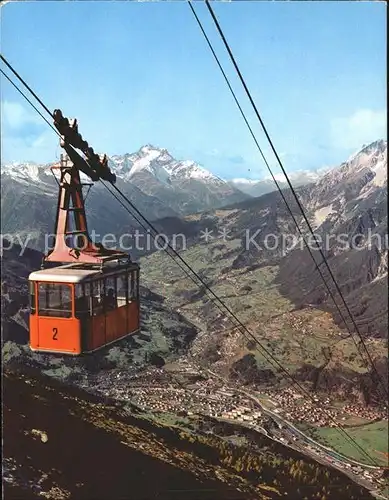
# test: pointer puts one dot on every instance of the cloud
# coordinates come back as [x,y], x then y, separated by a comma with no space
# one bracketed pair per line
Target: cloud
[243,180]
[16,116]
[362,127]
[36,148]
[25,136]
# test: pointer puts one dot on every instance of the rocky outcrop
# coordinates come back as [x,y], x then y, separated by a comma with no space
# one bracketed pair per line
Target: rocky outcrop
[348,385]
[246,370]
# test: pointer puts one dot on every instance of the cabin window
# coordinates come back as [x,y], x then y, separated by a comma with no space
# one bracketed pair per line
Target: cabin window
[110,301]
[97,296]
[83,300]
[121,287]
[31,286]
[55,300]
[129,281]
[131,286]
[137,283]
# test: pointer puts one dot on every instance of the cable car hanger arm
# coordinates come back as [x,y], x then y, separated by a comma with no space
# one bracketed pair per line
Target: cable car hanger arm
[92,165]
[71,203]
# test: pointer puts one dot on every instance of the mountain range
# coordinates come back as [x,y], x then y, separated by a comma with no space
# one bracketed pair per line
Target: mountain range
[159,185]
[278,293]
[347,209]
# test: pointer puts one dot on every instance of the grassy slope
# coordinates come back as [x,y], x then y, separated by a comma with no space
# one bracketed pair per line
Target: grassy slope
[372,437]
[89,453]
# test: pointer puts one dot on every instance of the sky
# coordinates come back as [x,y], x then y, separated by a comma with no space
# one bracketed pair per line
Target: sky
[141,73]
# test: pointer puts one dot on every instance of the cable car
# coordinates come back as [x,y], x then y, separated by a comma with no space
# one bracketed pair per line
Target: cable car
[86,296]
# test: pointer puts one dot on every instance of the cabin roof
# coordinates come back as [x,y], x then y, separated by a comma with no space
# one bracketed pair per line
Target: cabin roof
[72,273]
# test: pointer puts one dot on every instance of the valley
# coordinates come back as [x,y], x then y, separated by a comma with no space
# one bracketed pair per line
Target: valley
[192,368]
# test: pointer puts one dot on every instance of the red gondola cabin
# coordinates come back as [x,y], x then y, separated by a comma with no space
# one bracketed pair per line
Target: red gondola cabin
[77,309]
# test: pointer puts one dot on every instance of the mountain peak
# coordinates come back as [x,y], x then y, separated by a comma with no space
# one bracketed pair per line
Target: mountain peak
[161,164]
[359,177]
[380,145]
[375,147]
[147,148]
[22,171]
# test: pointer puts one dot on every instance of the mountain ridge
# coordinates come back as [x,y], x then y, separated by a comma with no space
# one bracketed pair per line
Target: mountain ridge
[159,185]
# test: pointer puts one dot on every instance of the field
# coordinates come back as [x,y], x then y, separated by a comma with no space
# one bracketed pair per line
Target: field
[371,437]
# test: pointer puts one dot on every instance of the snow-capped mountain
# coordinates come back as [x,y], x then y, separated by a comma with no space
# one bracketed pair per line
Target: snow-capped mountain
[22,172]
[162,186]
[147,159]
[155,171]
[253,187]
[156,161]
[358,181]
[183,184]
[348,209]
[161,165]
[368,166]
[26,172]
